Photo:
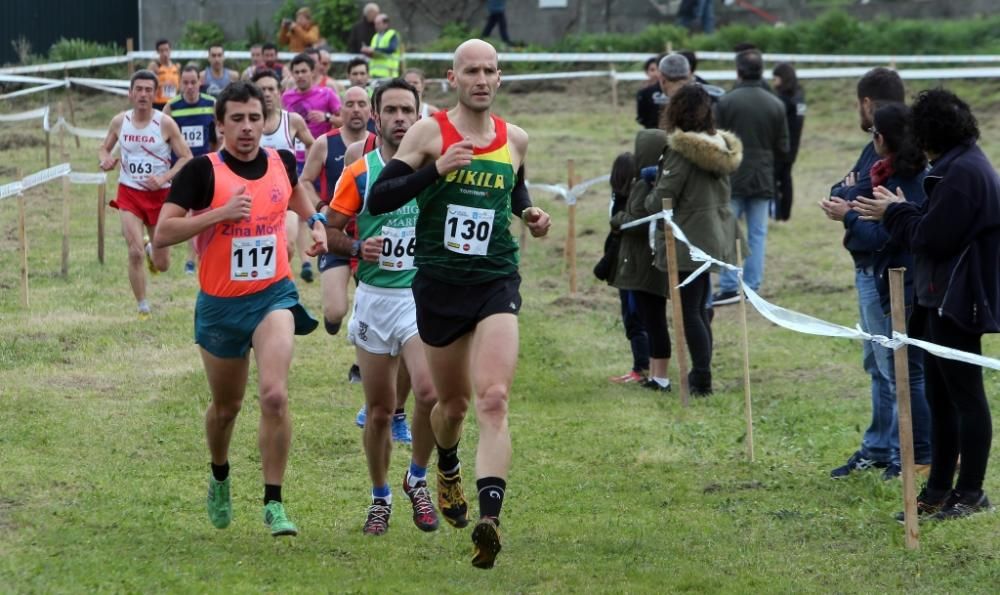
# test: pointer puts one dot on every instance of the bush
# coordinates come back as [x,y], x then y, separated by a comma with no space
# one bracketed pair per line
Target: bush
[65,50]
[199,35]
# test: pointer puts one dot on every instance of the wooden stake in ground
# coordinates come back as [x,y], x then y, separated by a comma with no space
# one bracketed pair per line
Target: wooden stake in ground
[72,110]
[570,250]
[896,293]
[128,52]
[614,97]
[748,409]
[102,190]
[22,238]
[64,156]
[680,340]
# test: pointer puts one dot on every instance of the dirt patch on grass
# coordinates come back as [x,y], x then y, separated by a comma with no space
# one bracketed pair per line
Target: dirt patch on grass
[7,507]
[19,140]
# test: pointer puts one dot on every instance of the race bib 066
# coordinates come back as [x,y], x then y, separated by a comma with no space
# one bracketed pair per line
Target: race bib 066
[399,244]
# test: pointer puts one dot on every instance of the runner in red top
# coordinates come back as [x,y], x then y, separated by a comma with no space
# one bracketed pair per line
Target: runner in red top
[247,299]
[146,137]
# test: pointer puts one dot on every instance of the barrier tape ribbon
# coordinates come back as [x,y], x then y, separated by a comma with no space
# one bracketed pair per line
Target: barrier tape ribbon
[803,323]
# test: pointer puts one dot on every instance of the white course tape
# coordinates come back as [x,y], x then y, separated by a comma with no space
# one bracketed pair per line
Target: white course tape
[84,63]
[570,196]
[31,115]
[81,132]
[803,323]
[27,80]
[122,83]
[46,175]
[12,189]
[31,90]
[85,178]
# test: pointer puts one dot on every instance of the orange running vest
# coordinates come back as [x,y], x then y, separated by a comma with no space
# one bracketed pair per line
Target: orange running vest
[249,256]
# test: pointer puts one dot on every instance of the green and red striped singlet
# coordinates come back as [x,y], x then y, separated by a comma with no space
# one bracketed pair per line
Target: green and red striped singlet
[463,230]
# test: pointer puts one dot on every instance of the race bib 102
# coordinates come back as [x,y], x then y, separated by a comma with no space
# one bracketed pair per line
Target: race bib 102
[194,136]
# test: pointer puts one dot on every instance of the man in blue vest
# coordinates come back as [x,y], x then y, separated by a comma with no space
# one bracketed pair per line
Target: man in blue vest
[385,50]
[194,113]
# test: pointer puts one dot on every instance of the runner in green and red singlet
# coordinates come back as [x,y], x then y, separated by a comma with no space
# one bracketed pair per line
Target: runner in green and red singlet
[466,168]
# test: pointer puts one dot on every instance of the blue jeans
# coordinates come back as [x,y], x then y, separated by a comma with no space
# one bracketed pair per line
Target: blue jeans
[753,265]
[881,440]
[702,11]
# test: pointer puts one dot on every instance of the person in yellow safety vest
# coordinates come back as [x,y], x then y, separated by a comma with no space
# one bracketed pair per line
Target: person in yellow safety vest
[385,50]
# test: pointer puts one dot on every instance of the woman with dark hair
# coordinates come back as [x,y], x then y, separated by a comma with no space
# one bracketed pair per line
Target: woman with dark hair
[634,270]
[694,172]
[901,167]
[788,90]
[954,237]
[622,171]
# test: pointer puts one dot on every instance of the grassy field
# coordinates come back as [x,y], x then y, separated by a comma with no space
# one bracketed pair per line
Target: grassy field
[613,489]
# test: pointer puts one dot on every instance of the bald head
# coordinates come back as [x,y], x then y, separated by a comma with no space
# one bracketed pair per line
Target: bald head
[474,50]
[356,94]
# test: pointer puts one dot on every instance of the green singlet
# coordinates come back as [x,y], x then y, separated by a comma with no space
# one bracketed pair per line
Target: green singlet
[395,267]
[463,230]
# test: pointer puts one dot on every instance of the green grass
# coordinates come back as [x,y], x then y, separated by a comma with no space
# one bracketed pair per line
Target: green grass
[612,489]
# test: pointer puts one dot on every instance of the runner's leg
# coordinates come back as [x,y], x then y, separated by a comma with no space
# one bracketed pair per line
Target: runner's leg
[132,232]
[227,380]
[378,377]
[273,344]
[493,361]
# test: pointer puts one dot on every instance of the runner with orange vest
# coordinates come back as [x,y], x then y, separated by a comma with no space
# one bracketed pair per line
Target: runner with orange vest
[239,197]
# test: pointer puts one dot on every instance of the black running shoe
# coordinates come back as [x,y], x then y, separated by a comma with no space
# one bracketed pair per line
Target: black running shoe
[929,503]
[485,543]
[961,505]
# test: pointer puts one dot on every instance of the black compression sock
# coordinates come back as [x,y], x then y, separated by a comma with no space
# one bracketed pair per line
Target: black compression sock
[448,458]
[331,327]
[491,492]
[399,411]
[220,472]
[272,493]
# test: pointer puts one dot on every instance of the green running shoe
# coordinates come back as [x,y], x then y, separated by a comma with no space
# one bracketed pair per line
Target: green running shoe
[220,503]
[276,519]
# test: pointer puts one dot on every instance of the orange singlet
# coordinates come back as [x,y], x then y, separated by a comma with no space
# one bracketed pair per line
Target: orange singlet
[247,257]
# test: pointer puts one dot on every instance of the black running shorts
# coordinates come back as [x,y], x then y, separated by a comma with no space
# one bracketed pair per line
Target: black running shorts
[446,312]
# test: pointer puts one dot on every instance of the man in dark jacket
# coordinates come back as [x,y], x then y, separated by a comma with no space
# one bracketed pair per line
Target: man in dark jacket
[362,32]
[955,240]
[863,239]
[758,118]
